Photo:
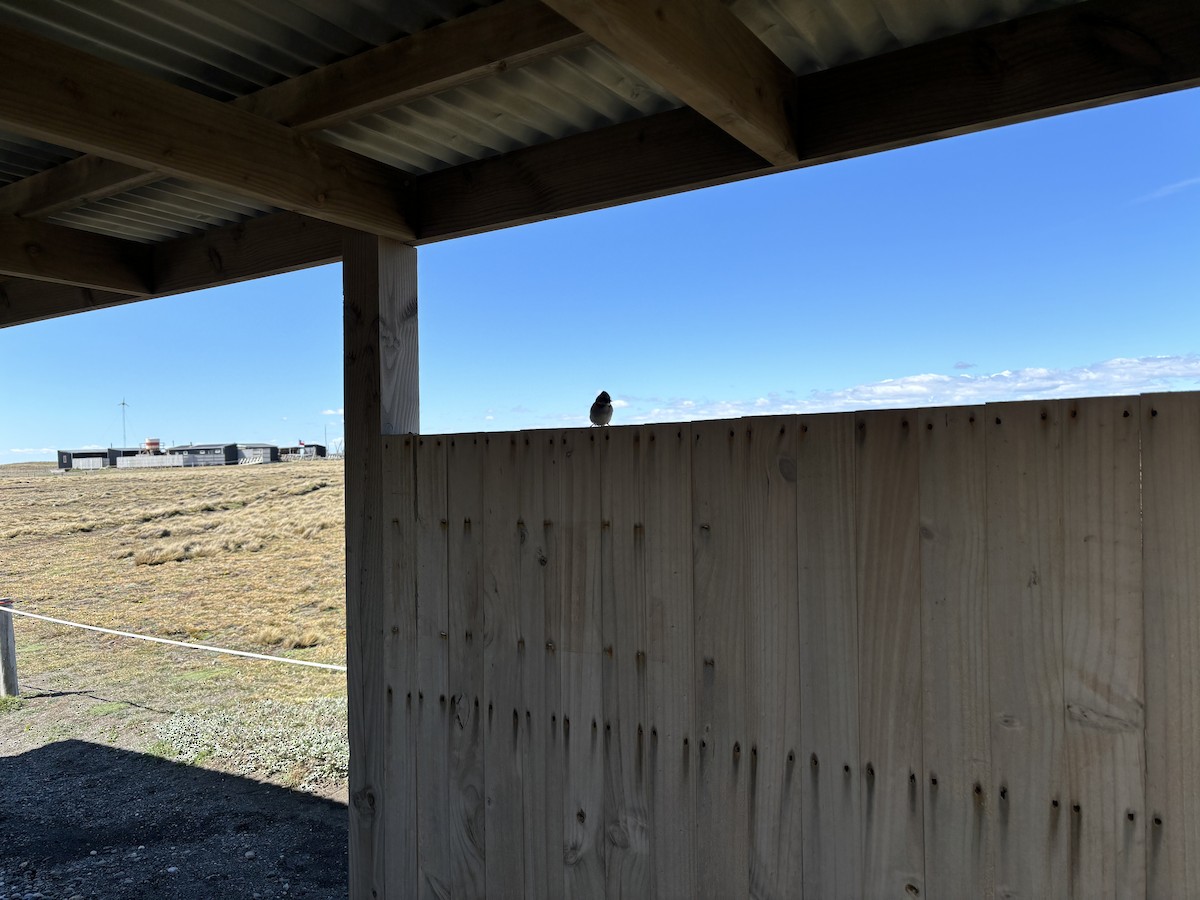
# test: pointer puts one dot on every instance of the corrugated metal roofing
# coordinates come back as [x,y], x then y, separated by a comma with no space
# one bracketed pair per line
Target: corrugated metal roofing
[162,211]
[21,157]
[228,48]
[578,91]
[809,35]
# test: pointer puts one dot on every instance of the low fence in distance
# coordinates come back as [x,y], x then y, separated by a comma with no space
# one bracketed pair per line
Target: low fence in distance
[165,461]
[8,646]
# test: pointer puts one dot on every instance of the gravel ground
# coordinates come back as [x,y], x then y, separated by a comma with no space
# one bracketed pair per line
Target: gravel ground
[81,820]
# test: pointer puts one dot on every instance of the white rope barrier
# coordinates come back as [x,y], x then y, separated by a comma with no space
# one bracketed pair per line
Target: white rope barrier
[158,640]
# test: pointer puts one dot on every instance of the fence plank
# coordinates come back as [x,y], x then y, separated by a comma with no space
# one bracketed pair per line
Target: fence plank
[667,565]
[433,631]
[1170,434]
[623,623]
[504,814]
[399,635]
[720,570]
[828,663]
[772,659]
[580,668]
[464,493]
[1025,596]
[889,652]
[538,609]
[954,647]
[1102,647]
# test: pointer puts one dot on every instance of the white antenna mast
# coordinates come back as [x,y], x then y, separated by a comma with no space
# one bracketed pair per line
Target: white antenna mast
[124,439]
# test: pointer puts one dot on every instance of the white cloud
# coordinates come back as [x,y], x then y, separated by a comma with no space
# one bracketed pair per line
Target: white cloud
[1168,189]
[340,411]
[1114,376]
[620,404]
[32,450]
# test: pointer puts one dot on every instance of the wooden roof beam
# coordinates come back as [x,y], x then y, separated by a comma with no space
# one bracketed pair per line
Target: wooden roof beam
[23,300]
[506,36]
[1074,57]
[64,96]
[270,245]
[704,55]
[46,252]
[497,38]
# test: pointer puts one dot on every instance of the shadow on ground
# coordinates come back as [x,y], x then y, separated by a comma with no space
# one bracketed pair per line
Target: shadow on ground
[83,820]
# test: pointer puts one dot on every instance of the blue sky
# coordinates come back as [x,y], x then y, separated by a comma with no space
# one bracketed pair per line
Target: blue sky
[1053,258]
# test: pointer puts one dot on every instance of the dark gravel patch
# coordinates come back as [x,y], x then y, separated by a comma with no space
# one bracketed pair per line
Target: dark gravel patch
[84,820]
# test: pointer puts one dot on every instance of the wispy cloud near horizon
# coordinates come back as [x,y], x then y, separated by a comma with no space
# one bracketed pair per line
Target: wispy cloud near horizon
[1110,377]
[32,450]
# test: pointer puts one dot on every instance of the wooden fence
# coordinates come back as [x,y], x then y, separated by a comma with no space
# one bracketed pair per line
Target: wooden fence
[925,653]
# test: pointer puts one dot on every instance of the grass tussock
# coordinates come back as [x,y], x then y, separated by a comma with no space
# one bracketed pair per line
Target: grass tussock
[274,637]
[156,556]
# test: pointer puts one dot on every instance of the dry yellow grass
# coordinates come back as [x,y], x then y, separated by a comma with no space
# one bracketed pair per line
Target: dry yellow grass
[246,557]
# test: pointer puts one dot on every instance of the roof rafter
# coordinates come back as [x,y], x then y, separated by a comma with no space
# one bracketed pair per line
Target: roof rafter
[502,37]
[703,54]
[497,38]
[64,96]
[270,245]
[46,252]
[23,300]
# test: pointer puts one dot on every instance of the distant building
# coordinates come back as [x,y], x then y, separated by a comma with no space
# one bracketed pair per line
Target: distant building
[224,454]
[94,457]
[115,453]
[303,451]
[83,459]
[257,453]
[206,454]
[180,455]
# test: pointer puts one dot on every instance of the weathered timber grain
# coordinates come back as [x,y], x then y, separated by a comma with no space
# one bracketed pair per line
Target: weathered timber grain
[720,568]
[889,652]
[959,810]
[828,656]
[1170,434]
[1026,587]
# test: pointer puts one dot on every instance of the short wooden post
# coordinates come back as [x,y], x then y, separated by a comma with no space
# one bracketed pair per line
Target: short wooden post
[8,652]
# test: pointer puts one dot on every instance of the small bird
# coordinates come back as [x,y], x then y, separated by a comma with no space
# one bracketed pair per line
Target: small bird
[601,412]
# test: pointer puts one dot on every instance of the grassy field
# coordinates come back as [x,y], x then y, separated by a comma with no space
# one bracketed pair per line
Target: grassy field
[245,557]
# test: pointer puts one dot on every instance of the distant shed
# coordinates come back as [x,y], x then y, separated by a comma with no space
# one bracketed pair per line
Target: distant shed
[206,454]
[92,458]
[257,453]
[303,451]
[115,453]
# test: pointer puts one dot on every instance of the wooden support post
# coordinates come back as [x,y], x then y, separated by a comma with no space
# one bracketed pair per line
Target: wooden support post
[381,391]
[8,653]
